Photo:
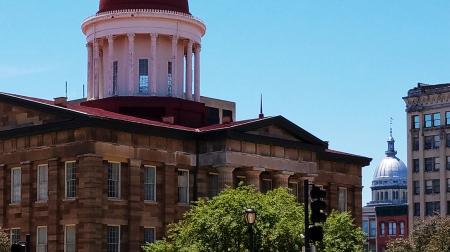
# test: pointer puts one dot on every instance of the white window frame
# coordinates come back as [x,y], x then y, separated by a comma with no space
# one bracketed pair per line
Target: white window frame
[154,233]
[39,197]
[13,191]
[154,183]
[37,238]
[65,180]
[178,187]
[344,189]
[119,236]
[65,237]
[402,227]
[119,189]
[11,234]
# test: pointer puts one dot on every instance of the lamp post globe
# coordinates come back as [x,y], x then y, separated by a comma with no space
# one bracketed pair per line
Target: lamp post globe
[250,216]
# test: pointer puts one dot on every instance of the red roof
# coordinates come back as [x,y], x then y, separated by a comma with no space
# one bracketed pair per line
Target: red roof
[170,5]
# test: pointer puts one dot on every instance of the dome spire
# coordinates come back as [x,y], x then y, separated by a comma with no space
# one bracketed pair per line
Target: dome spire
[391,152]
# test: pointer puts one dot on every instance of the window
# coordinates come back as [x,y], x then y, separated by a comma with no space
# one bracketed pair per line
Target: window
[15,235]
[41,239]
[436,142]
[113,180]
[416,187]
[213,185]
[415,144]
[416,165]
[114,77]
[448,185]
[143,76]
[436,186]
[437,119]
[71,185]
[428,144]
[428,186]
[432,208]
[150,183]
[69,238]
[386,196]
[402,228]
[342,199]
[416,209]
[183,186]
[16,185]
[266,185]
[392,228]
[366,227]
[293,186]
[415,122]
[149,235]
[113,239]
[447,142]
[448,163]
[42,183]
[170,79]
[382,229]
[447,118]
[431,164]
[428,121]
[372,228]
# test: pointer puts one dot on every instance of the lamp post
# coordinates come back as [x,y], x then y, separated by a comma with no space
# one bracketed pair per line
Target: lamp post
[250,218]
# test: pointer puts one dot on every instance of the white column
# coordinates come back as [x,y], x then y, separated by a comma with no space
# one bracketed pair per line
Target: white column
[189,71]
[174,66]
[198,48]
[109,89]
[90,81]
[96,69]
[154,61]
[131,75]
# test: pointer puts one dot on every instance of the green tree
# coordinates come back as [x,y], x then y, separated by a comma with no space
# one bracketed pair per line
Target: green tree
[219,225]
[340,234]
[430,234]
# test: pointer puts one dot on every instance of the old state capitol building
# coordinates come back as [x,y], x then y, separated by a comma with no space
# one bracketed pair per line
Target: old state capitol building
[110,172]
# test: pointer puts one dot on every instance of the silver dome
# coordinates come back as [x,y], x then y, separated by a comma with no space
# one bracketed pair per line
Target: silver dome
[391,168]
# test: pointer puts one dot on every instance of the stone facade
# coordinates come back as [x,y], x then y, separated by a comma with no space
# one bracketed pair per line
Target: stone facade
[276,158]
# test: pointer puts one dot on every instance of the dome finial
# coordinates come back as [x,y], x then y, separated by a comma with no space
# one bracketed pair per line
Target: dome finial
[391,152]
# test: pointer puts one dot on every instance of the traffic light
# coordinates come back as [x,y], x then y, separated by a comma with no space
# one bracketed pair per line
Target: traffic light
[318,214]
[318,206]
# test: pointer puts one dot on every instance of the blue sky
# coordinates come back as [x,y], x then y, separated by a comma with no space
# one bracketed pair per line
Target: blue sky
[339,69]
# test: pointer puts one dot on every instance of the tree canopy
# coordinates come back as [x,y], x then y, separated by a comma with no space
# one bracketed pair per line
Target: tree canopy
[219,225]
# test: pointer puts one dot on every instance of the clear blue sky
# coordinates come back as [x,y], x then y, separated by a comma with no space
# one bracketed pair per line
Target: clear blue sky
[339,69]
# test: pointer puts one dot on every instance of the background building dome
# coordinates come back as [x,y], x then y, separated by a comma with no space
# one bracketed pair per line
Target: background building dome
[171,5]
[389,184]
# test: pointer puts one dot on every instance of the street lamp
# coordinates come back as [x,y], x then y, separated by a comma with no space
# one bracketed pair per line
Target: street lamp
[250,218]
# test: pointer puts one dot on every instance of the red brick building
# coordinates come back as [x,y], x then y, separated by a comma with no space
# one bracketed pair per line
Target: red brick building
[392,222]
[110,173]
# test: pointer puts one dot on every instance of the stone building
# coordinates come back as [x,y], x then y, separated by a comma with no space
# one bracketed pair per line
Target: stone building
[386,216]
[428,111]
[111,172]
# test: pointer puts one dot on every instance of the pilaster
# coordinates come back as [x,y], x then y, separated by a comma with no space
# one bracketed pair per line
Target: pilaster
[27,196]
[90,235]
[170,194]
[135,204]
[53,205]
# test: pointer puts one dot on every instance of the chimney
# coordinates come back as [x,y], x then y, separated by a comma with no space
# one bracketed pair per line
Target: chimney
[60,101]
[168,119]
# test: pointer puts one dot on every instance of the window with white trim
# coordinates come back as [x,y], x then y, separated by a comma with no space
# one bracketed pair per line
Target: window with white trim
[16,185]
[150,183]
[113,180]
[149,235]
[113,239]
[69,238]
[402,228]
[392,228]
[342,200]
[15,235]
[70,179]
[42,183]
[183,186]
[41,240]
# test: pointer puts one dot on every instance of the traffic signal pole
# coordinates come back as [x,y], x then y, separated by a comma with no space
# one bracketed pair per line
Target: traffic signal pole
[306,207]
